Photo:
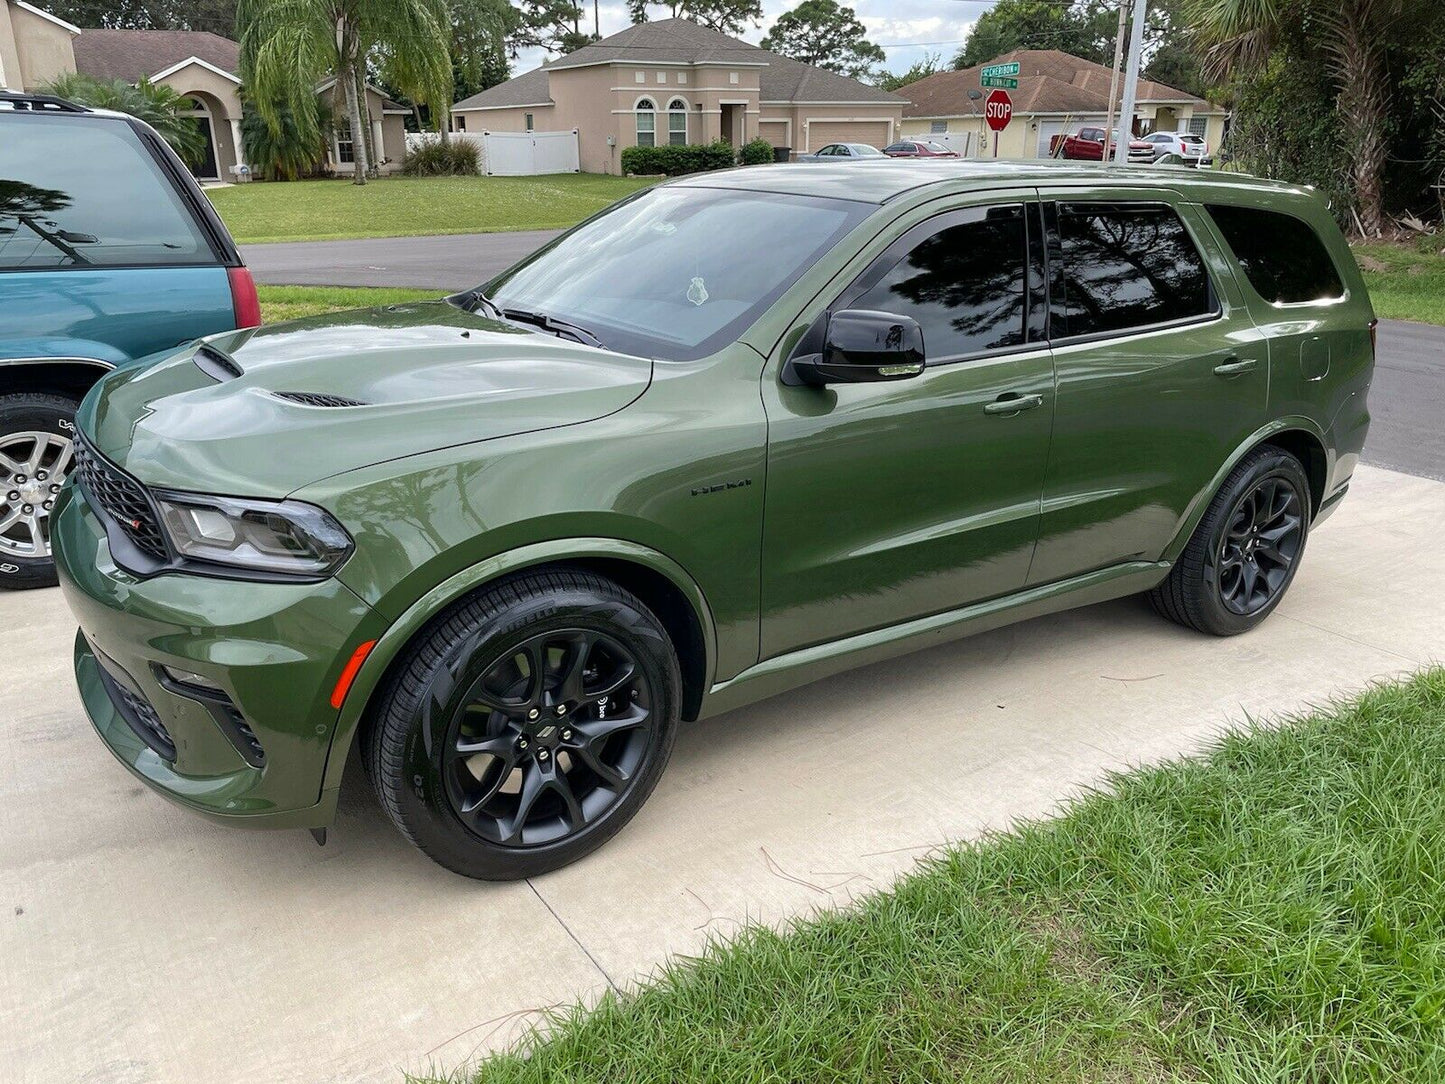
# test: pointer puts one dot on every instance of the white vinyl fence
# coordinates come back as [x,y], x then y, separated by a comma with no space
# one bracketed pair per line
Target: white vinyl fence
[520,154]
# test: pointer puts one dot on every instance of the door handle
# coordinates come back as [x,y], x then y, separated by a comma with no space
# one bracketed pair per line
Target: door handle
[1234,367]
[1012,403]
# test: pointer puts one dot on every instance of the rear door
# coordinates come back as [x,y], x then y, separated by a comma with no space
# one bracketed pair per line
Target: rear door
[105,253]
[892,501]
[1162,374]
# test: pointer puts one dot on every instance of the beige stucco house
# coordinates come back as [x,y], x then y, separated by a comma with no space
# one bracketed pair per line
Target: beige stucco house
[36,47]
[1057,93]
[673,81]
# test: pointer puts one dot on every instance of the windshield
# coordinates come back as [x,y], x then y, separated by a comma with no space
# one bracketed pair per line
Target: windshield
[677,272]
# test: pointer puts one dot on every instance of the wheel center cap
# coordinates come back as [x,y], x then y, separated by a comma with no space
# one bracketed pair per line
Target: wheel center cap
[548,735]
[33,492]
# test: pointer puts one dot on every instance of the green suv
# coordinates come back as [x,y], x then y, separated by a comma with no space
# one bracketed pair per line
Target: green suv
[734,434]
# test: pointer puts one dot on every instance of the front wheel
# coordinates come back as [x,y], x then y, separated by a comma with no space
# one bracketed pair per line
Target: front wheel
[37,432]
[528,726]
[1246,550]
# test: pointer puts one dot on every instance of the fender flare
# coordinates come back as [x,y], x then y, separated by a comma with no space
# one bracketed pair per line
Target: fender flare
[1200,503]
[400,632]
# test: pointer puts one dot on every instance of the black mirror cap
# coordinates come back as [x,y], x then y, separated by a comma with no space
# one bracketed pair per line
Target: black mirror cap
[862,345]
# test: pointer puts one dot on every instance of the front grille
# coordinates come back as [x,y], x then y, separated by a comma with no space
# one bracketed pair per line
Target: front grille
[121,497]
[317,399]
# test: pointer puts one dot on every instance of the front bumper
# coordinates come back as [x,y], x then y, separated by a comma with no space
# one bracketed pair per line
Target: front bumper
[275,650]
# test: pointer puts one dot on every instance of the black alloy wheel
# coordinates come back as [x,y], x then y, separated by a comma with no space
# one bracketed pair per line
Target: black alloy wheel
[1257,550]
[527,725]
[548,739]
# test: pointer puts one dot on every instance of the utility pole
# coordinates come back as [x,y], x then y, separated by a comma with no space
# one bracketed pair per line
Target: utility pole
[1118,63]
[1131,84]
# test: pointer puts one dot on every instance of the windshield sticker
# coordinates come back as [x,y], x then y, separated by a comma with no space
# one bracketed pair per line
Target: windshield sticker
[697,292]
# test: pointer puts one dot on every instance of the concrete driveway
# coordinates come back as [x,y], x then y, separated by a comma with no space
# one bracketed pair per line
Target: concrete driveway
[140,943]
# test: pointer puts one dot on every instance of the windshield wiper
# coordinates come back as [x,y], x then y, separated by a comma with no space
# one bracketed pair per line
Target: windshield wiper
[472,300]
[550,323]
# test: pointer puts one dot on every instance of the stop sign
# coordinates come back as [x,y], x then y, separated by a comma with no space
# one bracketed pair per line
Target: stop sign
[998,109]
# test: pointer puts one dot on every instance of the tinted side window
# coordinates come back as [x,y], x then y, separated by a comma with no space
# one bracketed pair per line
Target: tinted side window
[1124,266]
[76,191]
[1284,259]
[964,284]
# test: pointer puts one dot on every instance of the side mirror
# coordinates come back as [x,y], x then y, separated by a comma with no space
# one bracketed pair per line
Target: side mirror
[860,346]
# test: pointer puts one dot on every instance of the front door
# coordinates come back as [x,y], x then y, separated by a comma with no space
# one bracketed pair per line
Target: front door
[1162,374]
[891,501]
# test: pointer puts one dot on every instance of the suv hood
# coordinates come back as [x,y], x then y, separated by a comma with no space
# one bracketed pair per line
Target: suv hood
[423,376]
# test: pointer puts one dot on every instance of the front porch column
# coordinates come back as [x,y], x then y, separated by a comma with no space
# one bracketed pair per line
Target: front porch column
[236,139]
[376,143]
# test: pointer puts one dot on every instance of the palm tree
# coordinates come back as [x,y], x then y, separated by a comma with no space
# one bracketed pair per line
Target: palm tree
[155,103]
[288,47]
[1240,33]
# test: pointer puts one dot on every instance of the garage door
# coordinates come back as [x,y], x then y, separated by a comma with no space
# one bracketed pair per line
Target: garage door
[774,131]
[823,132]
[1050,128]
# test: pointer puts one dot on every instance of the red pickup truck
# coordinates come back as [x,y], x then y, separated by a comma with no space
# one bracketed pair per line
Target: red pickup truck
[1089,145]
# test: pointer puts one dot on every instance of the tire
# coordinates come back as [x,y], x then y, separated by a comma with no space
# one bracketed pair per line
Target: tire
[465,734]
[1210,588]
[28,420]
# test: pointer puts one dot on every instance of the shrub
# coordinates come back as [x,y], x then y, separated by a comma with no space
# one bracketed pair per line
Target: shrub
[434,158]
[282,153]
[756,152]
[677,160]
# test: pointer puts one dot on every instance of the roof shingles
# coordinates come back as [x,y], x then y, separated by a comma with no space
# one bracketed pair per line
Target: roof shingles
[133,55]
[681,41]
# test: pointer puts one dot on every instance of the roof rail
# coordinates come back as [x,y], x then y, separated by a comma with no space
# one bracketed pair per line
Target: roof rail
[39,103]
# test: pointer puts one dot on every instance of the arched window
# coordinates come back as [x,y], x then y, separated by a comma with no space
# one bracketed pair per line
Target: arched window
[677,122]
[646,122]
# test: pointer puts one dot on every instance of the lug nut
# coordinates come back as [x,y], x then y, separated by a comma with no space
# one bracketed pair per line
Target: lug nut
[541,754]
[566,735]
[40,476]
[561,709]
[20,479]
[55,489]
[47,505]
[13,495]
[28,509]
[533,713]
[522,744]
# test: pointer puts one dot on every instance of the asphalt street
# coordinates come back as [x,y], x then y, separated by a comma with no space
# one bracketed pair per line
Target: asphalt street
[1407,402]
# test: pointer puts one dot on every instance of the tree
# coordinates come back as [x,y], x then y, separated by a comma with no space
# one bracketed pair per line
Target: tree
[158,105]
[554,25]
[289,46]
[480,31]
[1086,29]
[1354,36]
[727,16]
[922,69]
[823,33]
[217,16]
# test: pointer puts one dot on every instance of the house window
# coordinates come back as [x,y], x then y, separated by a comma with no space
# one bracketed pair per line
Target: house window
[1198,125]
[639,77]
[345,151]
[662,77]
[732,77]
[677,122]
[461,124]
[528,118]
[646,122]
[938,127]
[682,78]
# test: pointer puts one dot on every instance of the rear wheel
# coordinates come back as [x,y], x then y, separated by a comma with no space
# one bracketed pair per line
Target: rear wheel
[36,435]
[528,725]
[1244,554]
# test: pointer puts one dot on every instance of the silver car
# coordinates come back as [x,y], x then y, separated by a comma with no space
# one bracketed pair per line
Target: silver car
[835,151]
[1191,148]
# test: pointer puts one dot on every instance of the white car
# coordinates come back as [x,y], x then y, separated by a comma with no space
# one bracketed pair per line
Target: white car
[834,151]
[1186,145]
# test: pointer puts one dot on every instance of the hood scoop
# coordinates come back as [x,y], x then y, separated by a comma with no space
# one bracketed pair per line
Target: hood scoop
[318,399]
[218,366]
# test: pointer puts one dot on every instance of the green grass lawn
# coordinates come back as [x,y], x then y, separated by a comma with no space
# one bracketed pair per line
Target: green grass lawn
[1406,281]
[1272,912]
[290,302]
[401,206]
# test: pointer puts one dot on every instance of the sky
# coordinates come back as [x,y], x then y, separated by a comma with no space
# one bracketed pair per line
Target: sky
[906,29]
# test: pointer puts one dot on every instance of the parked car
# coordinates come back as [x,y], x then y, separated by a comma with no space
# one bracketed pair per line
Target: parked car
[1089,145]
[1190,148]
[918,148]
[834,151]
[736,433]
[108,252]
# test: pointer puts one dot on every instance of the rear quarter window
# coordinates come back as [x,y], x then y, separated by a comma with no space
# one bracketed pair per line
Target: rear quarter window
[85,191]
[1282,256]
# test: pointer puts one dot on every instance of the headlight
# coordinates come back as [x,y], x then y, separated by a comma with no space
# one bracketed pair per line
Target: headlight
[276,537]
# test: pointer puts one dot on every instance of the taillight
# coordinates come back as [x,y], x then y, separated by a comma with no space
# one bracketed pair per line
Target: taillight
[244,301]
[1374,330]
